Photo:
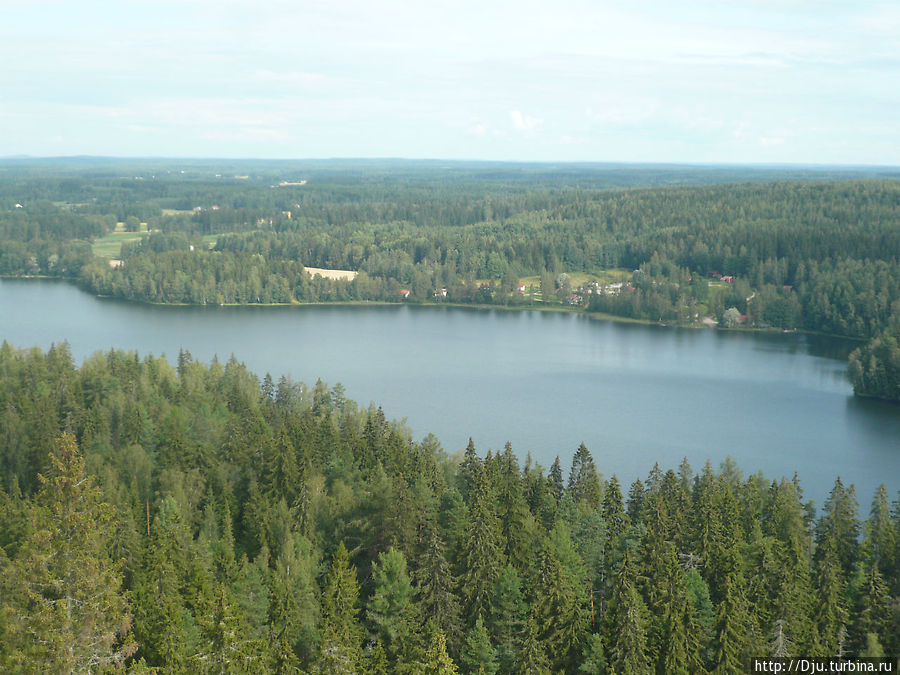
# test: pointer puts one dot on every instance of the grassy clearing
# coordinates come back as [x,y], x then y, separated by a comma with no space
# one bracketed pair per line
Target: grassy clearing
[110,246]
[576,279]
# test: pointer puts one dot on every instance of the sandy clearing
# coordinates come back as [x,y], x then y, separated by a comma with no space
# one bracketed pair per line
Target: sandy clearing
[349,275]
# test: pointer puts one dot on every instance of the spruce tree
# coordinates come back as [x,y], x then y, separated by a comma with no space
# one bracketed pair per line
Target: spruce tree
[483,557]
[560,612]
[531,657]
[437,662]
[829,607]
[390,610]
[515,519]
[62,606]
[507,617]
[228,645]
[881,540]
[614,510]
[555,479]
[341,648]
[736,638]
[838,528]
[593,657]
[478,652]
[294,609]
[434,590]
[584,483]
[163,624]
[872,610]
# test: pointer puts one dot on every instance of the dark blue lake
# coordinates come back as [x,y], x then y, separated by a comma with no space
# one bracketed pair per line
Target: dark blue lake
[635,394]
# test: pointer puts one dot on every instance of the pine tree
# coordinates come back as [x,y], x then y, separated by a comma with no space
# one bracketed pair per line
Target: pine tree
[62,605]
[284,660]
[704,612]
[681,644]
[375,661]
[780,647]
[635,503]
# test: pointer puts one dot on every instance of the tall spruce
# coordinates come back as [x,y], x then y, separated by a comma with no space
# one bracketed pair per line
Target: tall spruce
[390,610]
[341,647]
[626,624]
[63,608]
[482,558]
[584,482]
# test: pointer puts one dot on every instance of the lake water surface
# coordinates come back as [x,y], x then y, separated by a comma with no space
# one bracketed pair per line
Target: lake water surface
[633,394]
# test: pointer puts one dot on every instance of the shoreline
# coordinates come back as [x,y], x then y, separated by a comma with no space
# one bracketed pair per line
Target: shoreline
[593,316]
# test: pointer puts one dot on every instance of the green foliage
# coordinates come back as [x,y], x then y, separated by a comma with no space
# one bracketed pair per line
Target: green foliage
[478,653]
[437,662]
[390,609]
[478,564]
[63,606]
[874,369]
[341,647]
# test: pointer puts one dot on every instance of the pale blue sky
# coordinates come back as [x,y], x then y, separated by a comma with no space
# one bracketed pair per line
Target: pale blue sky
[646,81]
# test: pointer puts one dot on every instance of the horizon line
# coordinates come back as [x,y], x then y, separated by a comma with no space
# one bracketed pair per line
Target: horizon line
[618,162]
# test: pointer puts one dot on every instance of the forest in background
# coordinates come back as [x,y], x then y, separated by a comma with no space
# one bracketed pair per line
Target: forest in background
[191,517]
[799,248]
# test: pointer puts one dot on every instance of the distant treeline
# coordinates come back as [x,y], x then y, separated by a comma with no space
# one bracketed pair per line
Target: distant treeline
[192,518]
[820,256]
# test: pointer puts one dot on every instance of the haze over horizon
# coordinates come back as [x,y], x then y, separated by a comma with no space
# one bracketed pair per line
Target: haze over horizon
[749,82]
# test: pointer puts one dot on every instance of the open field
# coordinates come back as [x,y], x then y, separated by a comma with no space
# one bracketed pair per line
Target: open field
[110,246]
[577,279]
[349,275]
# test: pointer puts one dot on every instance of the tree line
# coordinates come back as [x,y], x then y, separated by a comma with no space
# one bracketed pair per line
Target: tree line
[797,254]
[189,517]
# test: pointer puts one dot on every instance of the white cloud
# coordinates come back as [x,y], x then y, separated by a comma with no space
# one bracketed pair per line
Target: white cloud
[525,124]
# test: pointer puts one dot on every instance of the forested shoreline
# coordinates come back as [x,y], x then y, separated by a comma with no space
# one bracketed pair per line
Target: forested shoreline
[819,255]
[192,517]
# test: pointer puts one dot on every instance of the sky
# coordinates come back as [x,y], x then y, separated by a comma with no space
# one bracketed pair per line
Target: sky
[705,81]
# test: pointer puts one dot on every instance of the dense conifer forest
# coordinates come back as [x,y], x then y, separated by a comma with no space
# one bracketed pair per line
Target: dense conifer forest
[193,518]
[810,249]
